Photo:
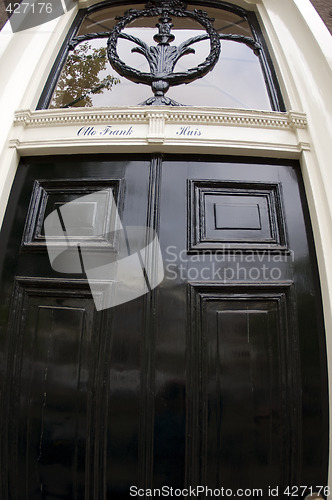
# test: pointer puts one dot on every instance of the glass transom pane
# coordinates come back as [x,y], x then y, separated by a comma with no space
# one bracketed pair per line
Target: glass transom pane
[88,79]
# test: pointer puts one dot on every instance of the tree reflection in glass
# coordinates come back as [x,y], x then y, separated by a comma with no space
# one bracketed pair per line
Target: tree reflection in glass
[82,77]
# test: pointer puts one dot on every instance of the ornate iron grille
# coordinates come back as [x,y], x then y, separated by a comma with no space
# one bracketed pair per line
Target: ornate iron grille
[163,56]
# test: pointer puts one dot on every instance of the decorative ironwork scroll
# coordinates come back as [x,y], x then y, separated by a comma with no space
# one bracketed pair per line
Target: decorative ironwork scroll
[163,57]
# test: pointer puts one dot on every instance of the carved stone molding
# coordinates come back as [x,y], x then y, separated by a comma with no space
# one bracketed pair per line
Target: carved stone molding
[78,116]
[203,116]
[171,129]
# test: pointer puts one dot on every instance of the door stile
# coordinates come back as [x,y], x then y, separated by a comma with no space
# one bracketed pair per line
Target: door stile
[146,427]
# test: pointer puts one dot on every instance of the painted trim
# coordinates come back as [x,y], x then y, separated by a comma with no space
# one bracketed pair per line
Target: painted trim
[218,116]
[302,49]
[67,131]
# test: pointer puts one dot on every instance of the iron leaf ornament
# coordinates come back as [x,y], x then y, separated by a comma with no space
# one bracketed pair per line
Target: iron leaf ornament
[163,57]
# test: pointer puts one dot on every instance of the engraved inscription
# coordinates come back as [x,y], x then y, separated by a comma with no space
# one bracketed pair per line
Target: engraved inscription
[108,131]
[188,131]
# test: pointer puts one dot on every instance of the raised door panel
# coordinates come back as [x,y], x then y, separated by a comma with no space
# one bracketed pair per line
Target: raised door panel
[56,360]
[243,374]
[229,215]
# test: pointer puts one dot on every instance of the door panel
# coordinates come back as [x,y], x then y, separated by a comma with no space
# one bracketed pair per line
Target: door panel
[216,377]
[229,215]
[238,362]
[52,390]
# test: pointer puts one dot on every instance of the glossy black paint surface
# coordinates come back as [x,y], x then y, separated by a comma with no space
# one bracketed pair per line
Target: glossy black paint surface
[216,377]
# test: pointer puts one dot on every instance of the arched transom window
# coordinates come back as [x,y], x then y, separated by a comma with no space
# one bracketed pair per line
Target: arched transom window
[166,53]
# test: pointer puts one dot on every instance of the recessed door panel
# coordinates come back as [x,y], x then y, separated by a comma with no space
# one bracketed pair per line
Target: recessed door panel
[235,215]
[239,378]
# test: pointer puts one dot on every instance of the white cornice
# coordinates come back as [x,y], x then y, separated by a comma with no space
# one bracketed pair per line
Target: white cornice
[202,116]
[178,129]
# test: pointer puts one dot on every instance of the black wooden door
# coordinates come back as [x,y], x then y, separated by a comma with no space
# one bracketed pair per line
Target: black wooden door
[217,377]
